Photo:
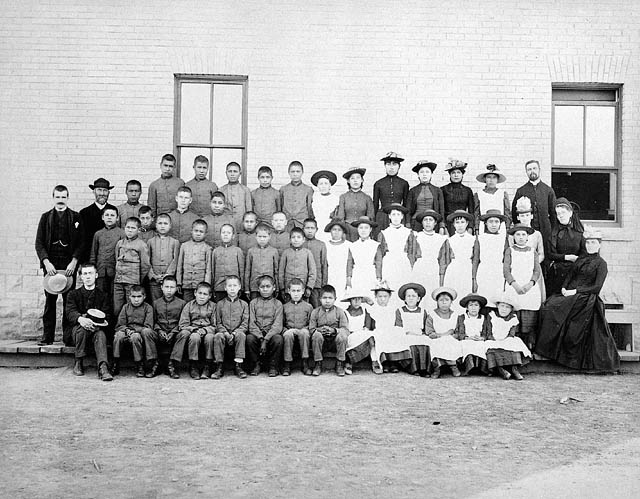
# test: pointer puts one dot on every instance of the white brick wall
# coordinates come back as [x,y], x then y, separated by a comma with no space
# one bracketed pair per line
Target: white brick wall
[87,90]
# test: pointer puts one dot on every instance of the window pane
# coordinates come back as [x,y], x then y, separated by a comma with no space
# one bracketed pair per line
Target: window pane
[600,135]
[594,192]
[187,155]
[195,113]
[227,114]
[222,157]
[568,135]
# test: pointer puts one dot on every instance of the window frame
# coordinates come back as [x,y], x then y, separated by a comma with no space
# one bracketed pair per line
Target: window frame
[617,149]
[211,79]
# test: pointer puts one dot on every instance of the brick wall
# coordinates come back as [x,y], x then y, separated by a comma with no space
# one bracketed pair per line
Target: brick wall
[87,90]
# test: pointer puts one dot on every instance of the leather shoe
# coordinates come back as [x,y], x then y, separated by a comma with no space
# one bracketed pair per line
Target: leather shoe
[240,372]
[317,369]
[115,367]
[206,372]
[194,372]
[140,369]
[103,372]
[256,369]
[78,368]
[286,370]
[273,372]
[153,371]
[340,368]
[516,374]
[173,373]
[305,367]
[219,372]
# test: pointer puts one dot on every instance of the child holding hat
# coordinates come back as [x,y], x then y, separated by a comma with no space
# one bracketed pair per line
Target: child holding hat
[324,203]
[425,196]
[440,327]
[492,197]
[505,351]
[354,203]
[469,328]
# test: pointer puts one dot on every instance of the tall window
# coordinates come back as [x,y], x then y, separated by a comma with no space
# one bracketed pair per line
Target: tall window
[210,120]
[586,148]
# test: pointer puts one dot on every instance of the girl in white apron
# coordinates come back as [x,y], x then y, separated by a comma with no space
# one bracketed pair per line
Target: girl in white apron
[461,271]
[469,329]
[441,324]
[364,263]
[360,338]
[337,256]
[426,270]
[411,321]
[491,245]
[324,203]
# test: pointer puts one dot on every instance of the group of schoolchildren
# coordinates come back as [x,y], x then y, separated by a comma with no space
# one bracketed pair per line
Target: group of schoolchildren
[425,279]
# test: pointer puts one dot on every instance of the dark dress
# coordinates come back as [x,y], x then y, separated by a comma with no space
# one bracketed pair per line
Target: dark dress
[565,240]
[457,197]
[388,190]
[574,331]
[424,197]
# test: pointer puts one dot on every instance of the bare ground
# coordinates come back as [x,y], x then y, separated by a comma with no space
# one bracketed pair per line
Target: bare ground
[363,435]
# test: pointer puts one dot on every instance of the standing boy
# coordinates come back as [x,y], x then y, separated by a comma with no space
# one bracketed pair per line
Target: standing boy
[162,191]
[247,236]
[296,197]
[194,262]
[146,223]
[265,199]
[58,245]
[238,196]
[103,250]
[163,255]
[262,259]
[226,260]
[297,262]
[232,324]
[218,216]
[201,187]
[280,236]
[182,217]
[328,324]
[132,207]
[319,251]
[135,322]
[265,328]
[297,314]
[132,264]
[167,310]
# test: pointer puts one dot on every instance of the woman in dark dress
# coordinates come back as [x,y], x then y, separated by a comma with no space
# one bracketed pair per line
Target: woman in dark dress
[573,328]
[565,246]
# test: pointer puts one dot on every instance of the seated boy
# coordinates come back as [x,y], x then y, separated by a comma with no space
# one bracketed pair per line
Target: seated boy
[265,328]
[297,262]
[194,262]
[103,250]
[227,259]
[135,322]
[198,322]
[247,236]
[145,215]
[279,237]
[163,254]
[265,199]
[82,304]
[182,217]
[319,251]
[167,310]
[329,324]
[297,313]
[218,217]
[261,260]
[232,324]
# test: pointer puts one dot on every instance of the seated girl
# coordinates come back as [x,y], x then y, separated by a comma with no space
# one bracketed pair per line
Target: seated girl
[469,331]
[360,331]
[411,319]
[440,327]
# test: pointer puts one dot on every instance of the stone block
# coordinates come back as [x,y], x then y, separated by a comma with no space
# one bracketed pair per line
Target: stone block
[13,284]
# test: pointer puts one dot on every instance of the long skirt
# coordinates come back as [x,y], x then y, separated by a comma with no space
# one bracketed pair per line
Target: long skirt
[507,352]
[574,332]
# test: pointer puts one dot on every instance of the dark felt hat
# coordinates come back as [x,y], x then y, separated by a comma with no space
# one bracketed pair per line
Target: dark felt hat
[419,288]
[392,157]
[353,170]
[395,206]
[421,164]
[336,222]
[330,176]
[473,297]
[101,183]
[428,213]
[364,220]
[518,227]
[460,213]
[493,214]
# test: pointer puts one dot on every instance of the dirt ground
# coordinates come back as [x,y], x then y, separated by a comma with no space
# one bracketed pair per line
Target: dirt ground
[359,436]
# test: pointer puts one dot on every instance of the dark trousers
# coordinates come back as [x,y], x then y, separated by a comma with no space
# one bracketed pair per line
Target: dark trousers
[177,352]
[123,337]
[319,343]
[222,341]
[154,291]
[314,297]
[120,296]
[289,337]
[82,336]
[49,319]
[274,350]
[152,339]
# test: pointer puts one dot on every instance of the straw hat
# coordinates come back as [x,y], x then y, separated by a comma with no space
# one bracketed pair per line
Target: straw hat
[428,213]
[591,233]
[395,206]
[444,289]
[460,213]
[506,298]
[98,317]
[58,283]
[493,214]
[392,157]
[492,169]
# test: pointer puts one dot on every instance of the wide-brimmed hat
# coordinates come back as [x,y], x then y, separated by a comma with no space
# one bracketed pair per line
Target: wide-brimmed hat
[419,288]
[517,227]
[444,289]
[336,222]
[493,214]
[57,283]
[428,213]
[456,164]
[353,170]
[330,176]
[473,297]
[356,293]
[506,298]
[101,183]
[392,157]
[98,317]
[382,286]
[421,164]
[523,205]
[591,233]
[460,213]
[364,220]
[395,206]
[492,169]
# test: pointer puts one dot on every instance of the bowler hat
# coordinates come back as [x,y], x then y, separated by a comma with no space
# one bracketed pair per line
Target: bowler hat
[428,213]
[460,213]
[421,164]
[492,170]
[364,220]
[444,289]
[330,176]
[101,183]
[57,283]
[98,317]
[473,297]
[418,288]
[337,222]
[493,214]
[395,206]
[353,170]
[392,157]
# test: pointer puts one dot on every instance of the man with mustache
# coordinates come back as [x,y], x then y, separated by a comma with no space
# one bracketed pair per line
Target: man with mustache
[91,216]
[58,245]
[543,201]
